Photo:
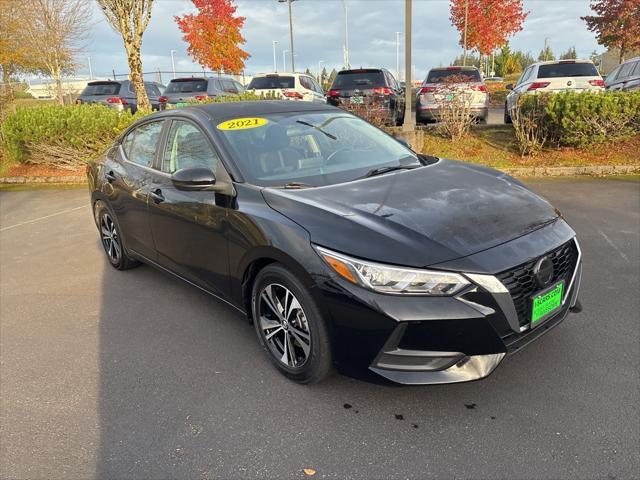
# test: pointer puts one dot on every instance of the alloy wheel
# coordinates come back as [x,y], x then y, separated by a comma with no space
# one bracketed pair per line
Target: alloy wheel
[110,238]
[284,325]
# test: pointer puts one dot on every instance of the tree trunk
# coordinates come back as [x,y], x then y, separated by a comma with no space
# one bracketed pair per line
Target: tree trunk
[135,66]
[59,94]
[6,80]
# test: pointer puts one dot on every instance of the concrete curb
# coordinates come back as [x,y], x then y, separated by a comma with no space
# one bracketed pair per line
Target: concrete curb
[71,179]
[594,170]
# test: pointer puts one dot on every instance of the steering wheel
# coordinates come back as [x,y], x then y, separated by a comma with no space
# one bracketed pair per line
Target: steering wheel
[330,157]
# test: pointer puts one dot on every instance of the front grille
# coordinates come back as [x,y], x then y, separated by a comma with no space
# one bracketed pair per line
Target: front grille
[522,285]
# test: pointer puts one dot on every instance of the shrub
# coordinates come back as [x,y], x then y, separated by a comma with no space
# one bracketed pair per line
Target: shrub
[586,118]
[63,136]
[247,96]
[454,108]
[528,127]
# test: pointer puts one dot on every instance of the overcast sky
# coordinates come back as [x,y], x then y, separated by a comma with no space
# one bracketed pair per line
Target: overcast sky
[319,34]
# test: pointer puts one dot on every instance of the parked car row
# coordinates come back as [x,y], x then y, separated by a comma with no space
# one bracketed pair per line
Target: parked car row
[378,89]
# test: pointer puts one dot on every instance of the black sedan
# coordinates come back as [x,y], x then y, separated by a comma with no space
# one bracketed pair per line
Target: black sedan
[338,242]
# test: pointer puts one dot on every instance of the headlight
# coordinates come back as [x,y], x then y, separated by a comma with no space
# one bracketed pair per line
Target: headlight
[390,279]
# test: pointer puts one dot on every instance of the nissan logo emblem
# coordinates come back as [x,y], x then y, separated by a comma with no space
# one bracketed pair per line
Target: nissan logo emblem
[543,271]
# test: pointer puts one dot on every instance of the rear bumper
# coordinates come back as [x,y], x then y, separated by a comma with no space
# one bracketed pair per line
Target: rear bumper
[433,113]
[434,340]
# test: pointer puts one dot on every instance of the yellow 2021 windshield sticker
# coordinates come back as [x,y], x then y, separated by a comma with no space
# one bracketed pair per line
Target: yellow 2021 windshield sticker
[242,123]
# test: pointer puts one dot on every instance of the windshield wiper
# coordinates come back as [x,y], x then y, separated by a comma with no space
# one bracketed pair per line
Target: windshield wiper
[332,137]
[380,170]
[297,185]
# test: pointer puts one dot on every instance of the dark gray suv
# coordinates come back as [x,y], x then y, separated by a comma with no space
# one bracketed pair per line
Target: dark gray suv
[120,94]
[625,77]
[181,90]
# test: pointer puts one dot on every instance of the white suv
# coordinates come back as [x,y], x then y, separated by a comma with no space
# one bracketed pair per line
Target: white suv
[289,86]
[553,77]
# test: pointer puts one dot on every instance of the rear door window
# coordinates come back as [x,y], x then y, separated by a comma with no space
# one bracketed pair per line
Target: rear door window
[636,70]
[187,147]
[306,83]
[107,88]
[187,86]
[229,86]
[453,75]
[141,143]
[152,90]
[558,70]
[359,79]
[272,82]
[625,70]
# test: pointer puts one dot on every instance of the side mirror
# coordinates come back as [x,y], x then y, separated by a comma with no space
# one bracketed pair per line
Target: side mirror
[196,178]
[200,178]
[509,86]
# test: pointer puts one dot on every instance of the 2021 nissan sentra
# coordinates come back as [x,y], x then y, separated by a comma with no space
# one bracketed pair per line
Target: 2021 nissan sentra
[341,244]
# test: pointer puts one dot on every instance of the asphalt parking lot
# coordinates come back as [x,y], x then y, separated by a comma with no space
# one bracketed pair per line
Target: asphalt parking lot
[136,375]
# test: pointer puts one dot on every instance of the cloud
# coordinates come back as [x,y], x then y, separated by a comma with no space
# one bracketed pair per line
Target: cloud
[319,34]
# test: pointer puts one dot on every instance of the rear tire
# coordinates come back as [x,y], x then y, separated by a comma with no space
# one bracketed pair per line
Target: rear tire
[111,238]
[507,117]
[290,326]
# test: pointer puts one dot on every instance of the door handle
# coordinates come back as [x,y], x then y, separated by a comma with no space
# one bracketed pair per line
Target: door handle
[157,196]
[110,177]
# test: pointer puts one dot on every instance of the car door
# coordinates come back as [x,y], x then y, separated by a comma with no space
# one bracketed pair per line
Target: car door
[188,227]
[127,172]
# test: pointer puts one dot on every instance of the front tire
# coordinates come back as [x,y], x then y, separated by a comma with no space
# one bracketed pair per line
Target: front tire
[290,326]
[111,238]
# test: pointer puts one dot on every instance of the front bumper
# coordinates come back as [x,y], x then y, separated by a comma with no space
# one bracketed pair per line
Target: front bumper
[417,340]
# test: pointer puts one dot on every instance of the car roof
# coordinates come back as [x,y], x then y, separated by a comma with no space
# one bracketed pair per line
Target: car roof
[277,74]
[456,67]
[226,110]
[554,62]
[361,70]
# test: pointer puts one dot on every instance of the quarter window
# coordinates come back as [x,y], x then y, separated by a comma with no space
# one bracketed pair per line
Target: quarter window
[141,143]
[187,147]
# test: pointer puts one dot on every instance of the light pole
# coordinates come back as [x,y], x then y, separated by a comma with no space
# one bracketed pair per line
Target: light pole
[346,36]
[466,18]
[275,65]
[398,56]
[409,119]
[90,71]
[319,72]
[173,63]
[293,54]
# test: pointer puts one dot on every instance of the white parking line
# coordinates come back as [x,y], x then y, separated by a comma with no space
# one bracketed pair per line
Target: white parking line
[69,210]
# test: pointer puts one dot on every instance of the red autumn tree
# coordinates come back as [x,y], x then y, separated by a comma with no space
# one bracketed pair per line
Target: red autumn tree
[213,35]
[490,22]
[616,24]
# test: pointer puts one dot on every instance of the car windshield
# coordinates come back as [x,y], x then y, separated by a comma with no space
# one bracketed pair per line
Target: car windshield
[557,70]
[271,82]
[315,148]
[186,86]
[111,88]
[454,75]
[359,79]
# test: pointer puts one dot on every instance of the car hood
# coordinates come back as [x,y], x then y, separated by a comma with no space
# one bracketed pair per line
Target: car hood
[419,217]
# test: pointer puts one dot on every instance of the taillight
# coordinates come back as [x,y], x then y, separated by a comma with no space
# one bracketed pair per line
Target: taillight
[382,91]
[333,93]
[479,88]
[117,100]
[202,97]
[537,85]
[426,90]
[163,99]
[597,82]
[292,94]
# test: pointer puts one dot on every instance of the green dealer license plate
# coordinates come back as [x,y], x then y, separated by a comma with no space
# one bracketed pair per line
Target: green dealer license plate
[546,303]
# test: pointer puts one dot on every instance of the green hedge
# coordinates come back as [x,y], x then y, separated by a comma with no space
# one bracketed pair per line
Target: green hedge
[82,129]
[586,118]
